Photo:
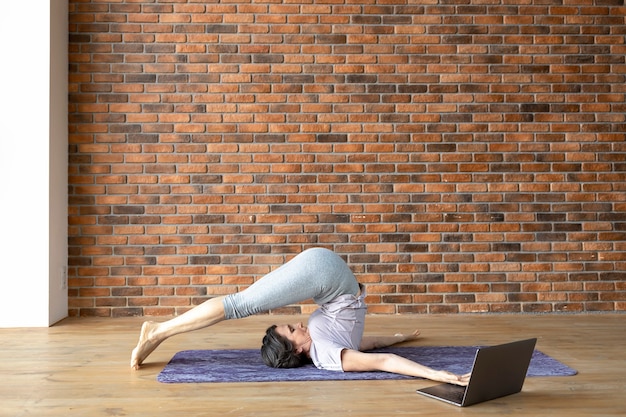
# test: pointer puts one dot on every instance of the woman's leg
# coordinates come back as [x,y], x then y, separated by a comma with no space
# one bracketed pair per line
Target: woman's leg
[153,334]
[315,273]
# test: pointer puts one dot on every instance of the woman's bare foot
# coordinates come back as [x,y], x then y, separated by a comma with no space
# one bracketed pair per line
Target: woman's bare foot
[146,345]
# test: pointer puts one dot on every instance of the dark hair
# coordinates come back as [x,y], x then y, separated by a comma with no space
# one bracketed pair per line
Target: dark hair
[278,352]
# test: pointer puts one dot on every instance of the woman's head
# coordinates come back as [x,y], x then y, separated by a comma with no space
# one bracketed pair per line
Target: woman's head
[285,346]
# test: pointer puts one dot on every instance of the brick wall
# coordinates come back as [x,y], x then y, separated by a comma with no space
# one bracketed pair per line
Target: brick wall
[462,155]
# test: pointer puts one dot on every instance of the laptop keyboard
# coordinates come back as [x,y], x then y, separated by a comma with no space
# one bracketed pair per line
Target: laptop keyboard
[449,392]
[455,395]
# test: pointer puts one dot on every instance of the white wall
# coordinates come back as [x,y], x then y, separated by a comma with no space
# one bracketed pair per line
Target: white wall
[57,199]
[33,163]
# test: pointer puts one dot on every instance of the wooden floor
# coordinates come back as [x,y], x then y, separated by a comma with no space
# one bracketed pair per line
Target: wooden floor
[80,368]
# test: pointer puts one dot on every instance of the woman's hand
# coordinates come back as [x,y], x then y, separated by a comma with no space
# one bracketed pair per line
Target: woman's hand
[377,342]
[450,378]
[408,337]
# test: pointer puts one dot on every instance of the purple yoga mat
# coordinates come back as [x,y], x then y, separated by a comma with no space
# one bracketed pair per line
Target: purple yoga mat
[239,365]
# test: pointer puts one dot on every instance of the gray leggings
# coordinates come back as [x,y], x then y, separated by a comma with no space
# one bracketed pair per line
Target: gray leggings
[316,273]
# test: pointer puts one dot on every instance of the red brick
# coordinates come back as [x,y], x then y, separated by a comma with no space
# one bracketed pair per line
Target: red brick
[410,142]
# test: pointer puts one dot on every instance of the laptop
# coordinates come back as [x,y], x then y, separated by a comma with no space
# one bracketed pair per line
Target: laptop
[497,371]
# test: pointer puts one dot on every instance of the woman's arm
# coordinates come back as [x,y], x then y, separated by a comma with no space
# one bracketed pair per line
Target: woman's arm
[355,361]
[377,342]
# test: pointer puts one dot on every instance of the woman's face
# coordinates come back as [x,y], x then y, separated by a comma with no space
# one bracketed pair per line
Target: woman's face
[297,334]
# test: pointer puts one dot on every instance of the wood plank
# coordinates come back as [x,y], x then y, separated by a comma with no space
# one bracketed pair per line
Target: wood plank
[80,367]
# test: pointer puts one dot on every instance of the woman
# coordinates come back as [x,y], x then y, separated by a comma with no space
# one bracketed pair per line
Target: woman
[333,339]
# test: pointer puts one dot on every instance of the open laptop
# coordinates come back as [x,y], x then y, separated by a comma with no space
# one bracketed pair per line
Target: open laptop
[497,371]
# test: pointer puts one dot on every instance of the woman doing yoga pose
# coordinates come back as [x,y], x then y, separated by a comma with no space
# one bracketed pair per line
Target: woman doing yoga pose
[332,340]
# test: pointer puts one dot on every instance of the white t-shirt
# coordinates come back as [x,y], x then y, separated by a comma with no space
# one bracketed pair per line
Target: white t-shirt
[335,326]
